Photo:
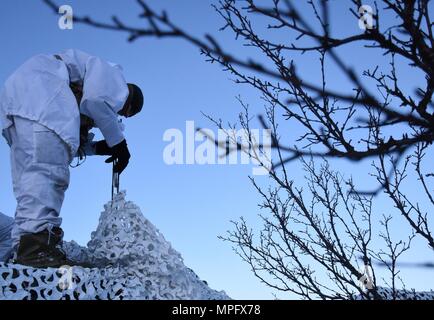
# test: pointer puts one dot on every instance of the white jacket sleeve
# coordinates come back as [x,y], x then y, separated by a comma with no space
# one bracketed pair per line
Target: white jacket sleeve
[104,94]
[105,119]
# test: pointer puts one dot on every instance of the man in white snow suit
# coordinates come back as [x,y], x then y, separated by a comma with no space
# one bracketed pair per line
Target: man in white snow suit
[47,107]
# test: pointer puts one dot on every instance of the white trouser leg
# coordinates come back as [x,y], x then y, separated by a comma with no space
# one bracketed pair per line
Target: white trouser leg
[40,175]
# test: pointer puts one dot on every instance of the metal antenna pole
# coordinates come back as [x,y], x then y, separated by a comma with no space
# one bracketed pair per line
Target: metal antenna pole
[115,180]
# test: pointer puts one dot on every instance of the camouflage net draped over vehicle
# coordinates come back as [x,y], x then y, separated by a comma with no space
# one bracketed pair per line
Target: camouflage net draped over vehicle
[132,261]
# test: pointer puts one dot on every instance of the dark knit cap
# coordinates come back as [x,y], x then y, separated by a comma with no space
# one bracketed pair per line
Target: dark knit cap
[136,99]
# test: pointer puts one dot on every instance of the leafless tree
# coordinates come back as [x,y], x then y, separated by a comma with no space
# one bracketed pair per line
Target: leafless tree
[331,231]
[378,118]
[318,244]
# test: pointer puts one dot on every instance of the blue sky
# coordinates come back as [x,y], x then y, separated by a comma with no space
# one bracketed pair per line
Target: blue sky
[190,204]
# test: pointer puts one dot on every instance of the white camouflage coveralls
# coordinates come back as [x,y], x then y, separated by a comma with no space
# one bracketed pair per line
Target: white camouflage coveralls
[40,120]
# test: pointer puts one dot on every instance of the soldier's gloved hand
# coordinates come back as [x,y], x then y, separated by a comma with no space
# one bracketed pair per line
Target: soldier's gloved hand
[102,148]
[121,154]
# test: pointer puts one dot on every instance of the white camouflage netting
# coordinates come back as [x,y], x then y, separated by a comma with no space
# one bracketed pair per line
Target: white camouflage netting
[387,294]
[134,262]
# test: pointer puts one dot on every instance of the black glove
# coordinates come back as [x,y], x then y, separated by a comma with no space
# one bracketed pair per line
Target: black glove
[102,148]
[121,154]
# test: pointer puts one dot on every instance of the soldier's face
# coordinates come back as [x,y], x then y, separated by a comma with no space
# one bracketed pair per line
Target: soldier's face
[127,110]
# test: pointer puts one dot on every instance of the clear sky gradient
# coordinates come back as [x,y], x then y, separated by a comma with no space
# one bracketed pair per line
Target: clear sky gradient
[190,204]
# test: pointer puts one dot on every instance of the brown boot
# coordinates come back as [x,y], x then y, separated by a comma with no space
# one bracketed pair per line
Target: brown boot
[42,249]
